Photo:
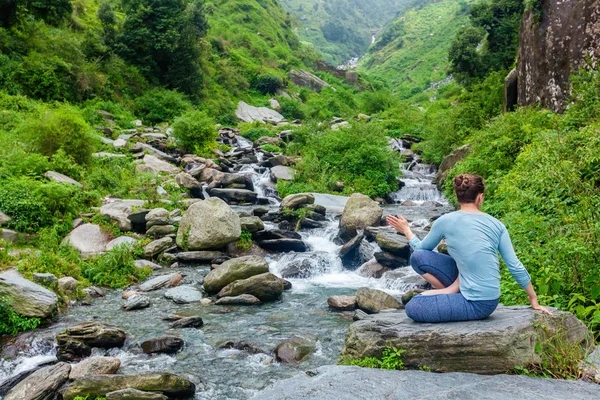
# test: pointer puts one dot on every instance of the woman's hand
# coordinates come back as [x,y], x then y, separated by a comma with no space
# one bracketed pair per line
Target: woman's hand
[536,306]
[400,224]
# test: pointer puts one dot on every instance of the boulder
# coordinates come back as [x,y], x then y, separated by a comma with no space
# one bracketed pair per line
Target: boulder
[236,195]
[88,239]
[187,322]
[157,216]
[233,270]
[77,341]
[134,394]
[497,344]
[199,256]
[265,287]
[147,264]
[27,298]
[10,236]
[45,279]
[184,294]
[60,178]
[372,269]
[372,300]
[4,219]
[68,285]
[252,224]
[136,302]
[449,162]
[274,104]
[119,212]
[282,173]
[160,165]
[208,224]
[165,344]
[306,79]
[248,113]
[156,247]
[351,383]
[294,350]
[390,261]
[121,241]
[301,268]
[350,248]
[360,212]
[241,300]
[159,282]
[188,181]
[161,230]
[42,384]
[172,386]
[284,245]
[275,234]
[394,243]
[342,303]
[95,366]
[295,201]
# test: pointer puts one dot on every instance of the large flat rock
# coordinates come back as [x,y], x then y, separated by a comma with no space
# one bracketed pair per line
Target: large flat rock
[491,346]
[355,383]
[27,298]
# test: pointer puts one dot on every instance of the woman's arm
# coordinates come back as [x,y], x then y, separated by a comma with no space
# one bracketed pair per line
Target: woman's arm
[452,289]
[534,301]
[433,238]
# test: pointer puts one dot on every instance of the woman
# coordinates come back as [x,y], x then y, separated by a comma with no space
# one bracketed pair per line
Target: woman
[467,283]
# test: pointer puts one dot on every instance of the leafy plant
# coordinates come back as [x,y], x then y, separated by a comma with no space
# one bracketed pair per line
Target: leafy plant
[256,133]
[161,105]
[271,148]
[115,269]
[245,241]
[194,129]
[391,359]
[267,83]
[12,323]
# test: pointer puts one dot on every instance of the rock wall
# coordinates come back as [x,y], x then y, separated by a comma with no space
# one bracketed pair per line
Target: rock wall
[554,42]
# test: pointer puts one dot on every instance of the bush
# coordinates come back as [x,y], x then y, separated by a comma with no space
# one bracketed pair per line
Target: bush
[390,359]
[194,129]
[115,269]
[161,105]
[291,109]
[12,323]
[60,128]
[256,133]
[267,83]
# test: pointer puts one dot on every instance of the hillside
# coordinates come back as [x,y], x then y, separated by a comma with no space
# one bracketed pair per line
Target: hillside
[413,51]
[342,29]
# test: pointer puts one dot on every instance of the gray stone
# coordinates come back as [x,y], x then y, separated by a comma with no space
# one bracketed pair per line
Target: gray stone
[187,181]
[241,300]
[157,216]
[4,219]
[160,165]
[77,341]
[42,384]
[134,394]
[88,239]
[156,247]
[265,287]
[390,261]
[248,113]
[342,303]
[44,279]
[494,345]
[187,322]
[306,79]
[252,224]
[161,230]
[103,154]
[68,285]
[165,344]
[60,178]
[8,235]
[146,263]
[160,282]
[199,256]
[335,382]
[283,173]
[184,294]
[208,224]
[95,366]
[119,144]
[360,212]
[372,269]
[137,302]
[392,242]
[233,270]
[295,201]
[27,298]
[119,212]
[449,162]
[121,241]
[373,300]
[294,350]
[237,195]
[352,246]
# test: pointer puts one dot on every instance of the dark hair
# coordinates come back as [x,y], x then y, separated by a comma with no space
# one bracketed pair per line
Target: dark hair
[467,187]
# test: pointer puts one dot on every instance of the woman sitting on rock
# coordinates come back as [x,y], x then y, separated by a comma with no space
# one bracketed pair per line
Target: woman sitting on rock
[467,282]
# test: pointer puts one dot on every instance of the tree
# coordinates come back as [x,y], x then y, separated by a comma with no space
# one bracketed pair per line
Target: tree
[107,17]
[465,61]
[52,12]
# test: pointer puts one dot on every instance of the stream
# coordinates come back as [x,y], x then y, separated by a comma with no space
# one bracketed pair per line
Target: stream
[232,374]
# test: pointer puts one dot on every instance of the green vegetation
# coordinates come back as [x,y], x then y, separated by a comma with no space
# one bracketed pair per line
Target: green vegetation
[245,241]
[390,359]
[194,130]
[12,323]
[115,269]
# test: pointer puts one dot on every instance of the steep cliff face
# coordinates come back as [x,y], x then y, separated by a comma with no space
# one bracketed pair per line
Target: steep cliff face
[557,37]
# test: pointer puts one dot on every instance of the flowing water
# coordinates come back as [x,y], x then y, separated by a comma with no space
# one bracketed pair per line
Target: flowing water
[302,311]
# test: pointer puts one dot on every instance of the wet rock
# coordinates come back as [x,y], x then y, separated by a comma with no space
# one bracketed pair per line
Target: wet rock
[297,269]
[248,347]
[68,285]
[359,315]
[160,165]
[282,173]
[360,212]
[60,178]
[42,384]
[136,302]
[147,264]
[295,201]
[134,394]
[309,223]
[252,224]
[248,113]
[164,344]
[209,224]
[372,300]
[184,295]
[159,282]
[406,297]
[121,241]
[27,298]
[119,212]
[283,245]
[372,269]
[266,287]
[342,303]
[44,279]
[306,79]
[187,322]
[394,243]
[199,256]
[95,291]
[390,261]
[88,239]
[173,386]
[235,195]
[78,340]
[350,248]
[233,270]
[287,285]
[156,247]
[241,300]
[95,366]
[294,350]
[486,346]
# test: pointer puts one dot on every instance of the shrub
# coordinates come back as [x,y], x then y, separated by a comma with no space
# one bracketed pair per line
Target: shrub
[161,105]
[391,359]
[245,241]
[115,269]
[194,129]
[291,109]
[271,148]
[267,83]
[256,133]
[12,323]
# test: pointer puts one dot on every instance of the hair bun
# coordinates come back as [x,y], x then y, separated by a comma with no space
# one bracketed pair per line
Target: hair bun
[462,182]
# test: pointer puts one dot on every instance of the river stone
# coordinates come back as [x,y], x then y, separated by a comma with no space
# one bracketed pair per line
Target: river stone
[199,256]
[119,212]
[297,269]
[242,345]
[121,241]
[45,279]
[350,248]
[165,344]
[372,300]
[146,264]
[160,165]
[173,386]
[187,181]
[42,384]
[134,394]
[184,294]
[68,285]
[284,245]
[187,322]
[27,298]
[95,366]
[136,302]
[283,173]
[76,341]
[360,212]
[60,178]
[295,201]
[497,344]
[157,216]
[156,247]
[394,243]
[239,195]
[233,270]
[241,300]
[161,230]
[208,224]
[252,224]
[4,219]
[248,113]
[161,281]
[390,261]
[372,269]
[275,234]
[354,383]
[294,350]
[342,303]
[265,287]
[88,239]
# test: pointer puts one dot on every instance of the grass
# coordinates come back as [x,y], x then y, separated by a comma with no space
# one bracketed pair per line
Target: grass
[391,359]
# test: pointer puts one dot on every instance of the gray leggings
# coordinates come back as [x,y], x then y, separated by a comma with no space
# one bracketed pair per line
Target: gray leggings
[444,307]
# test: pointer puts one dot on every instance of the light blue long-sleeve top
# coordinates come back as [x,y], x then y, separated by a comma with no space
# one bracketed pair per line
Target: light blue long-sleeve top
[474,241]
